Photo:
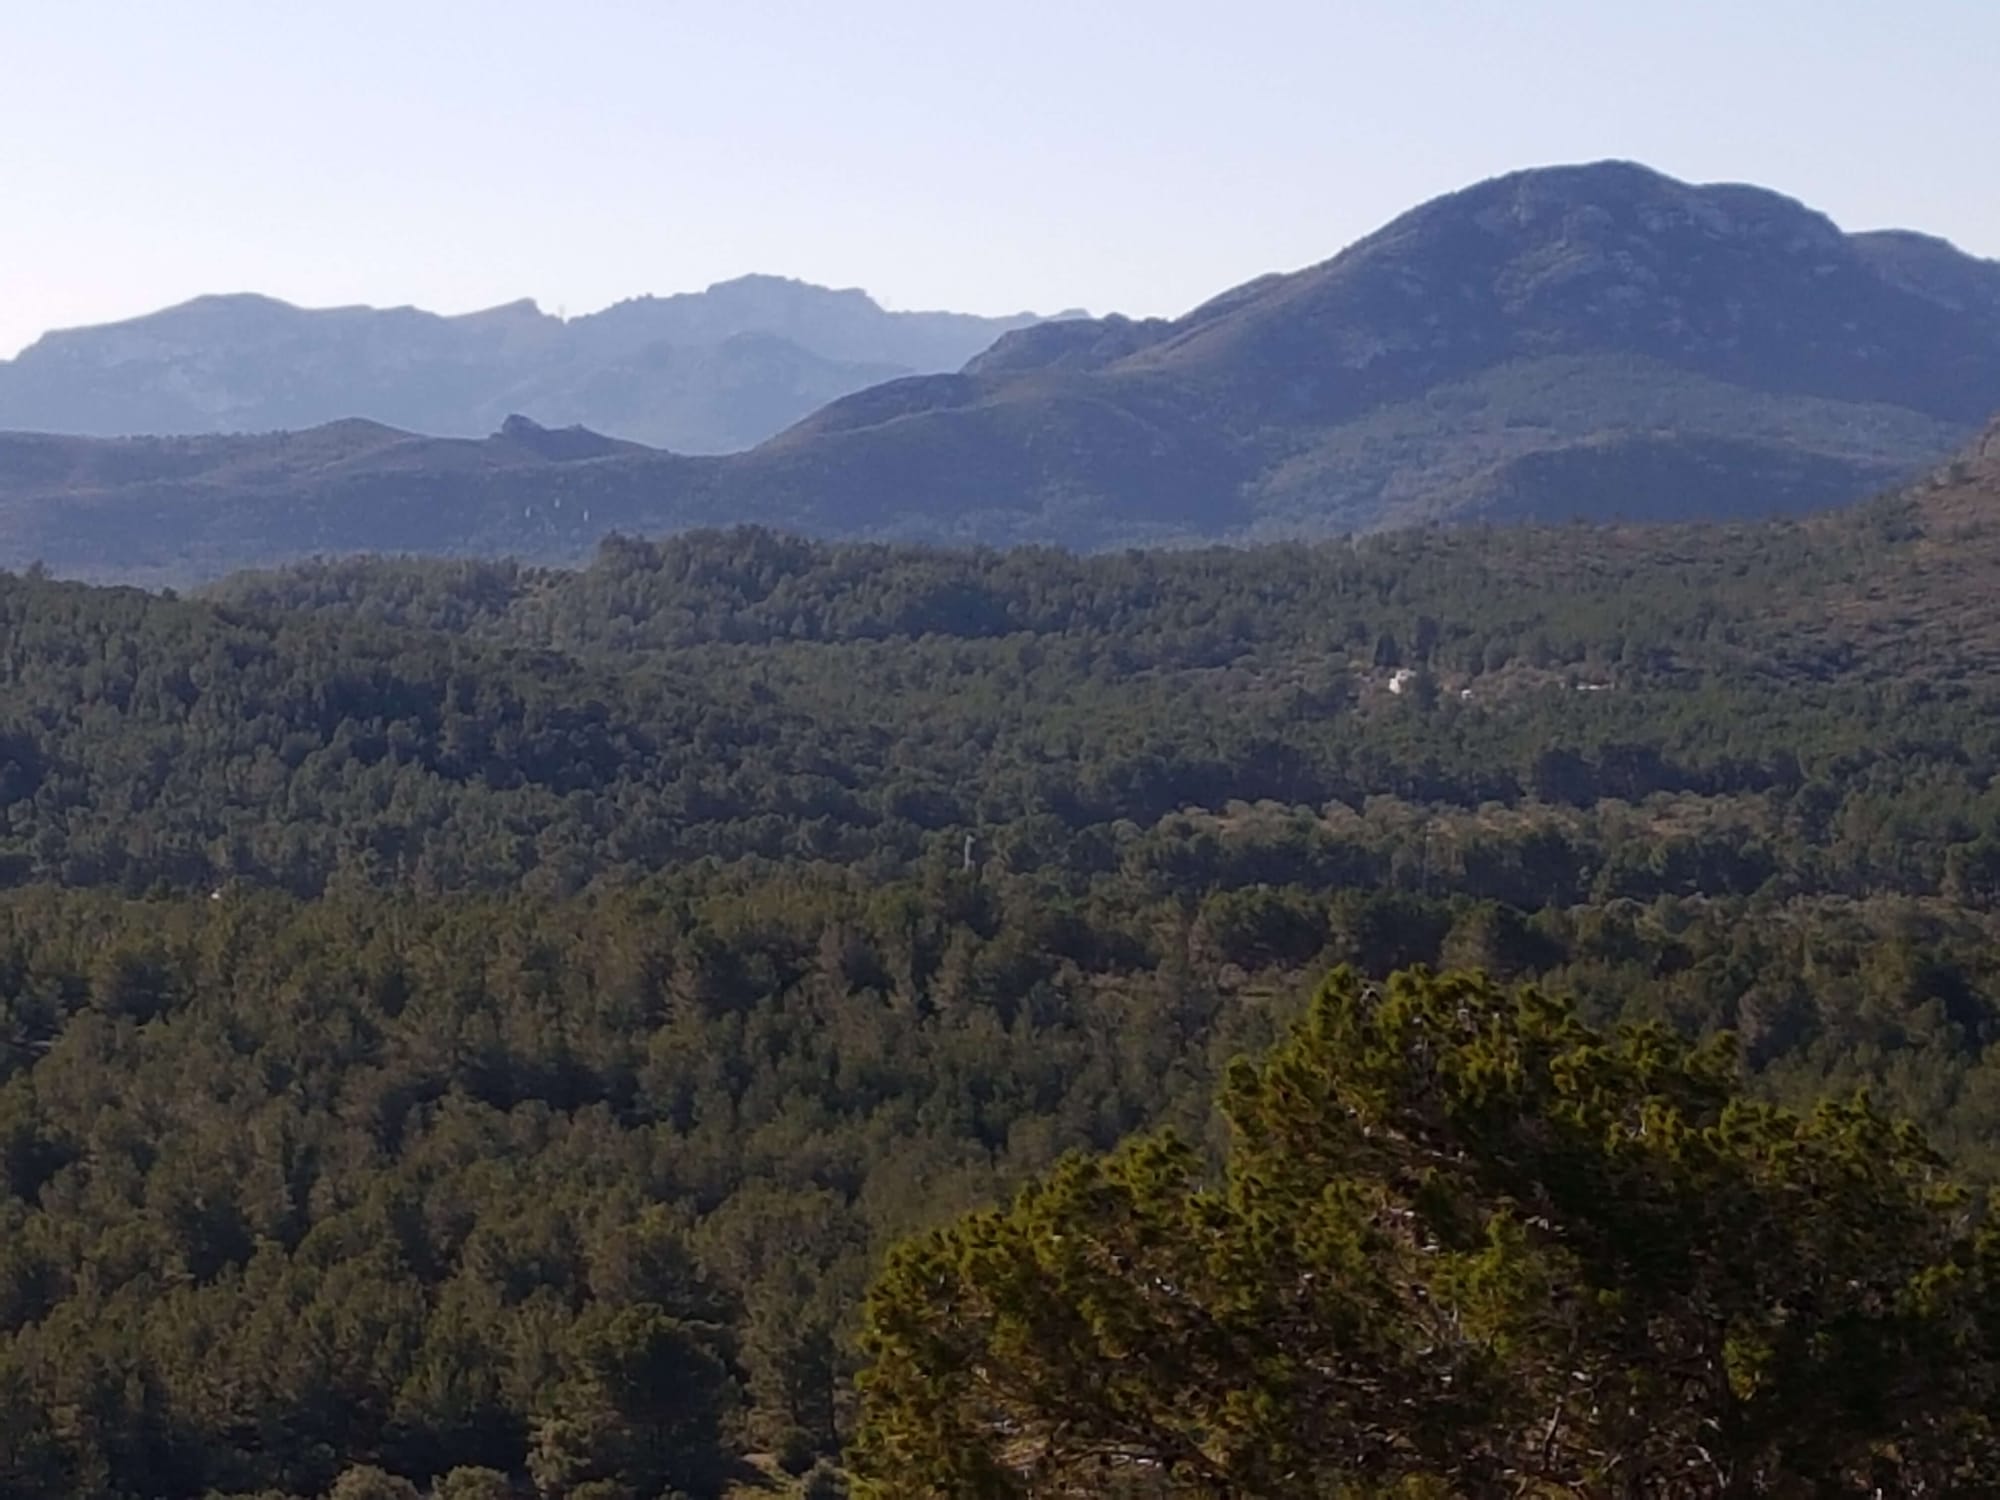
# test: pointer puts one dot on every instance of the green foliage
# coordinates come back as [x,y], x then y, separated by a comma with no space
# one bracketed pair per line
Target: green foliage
[748,696]
[1463,1244]
[469,1483]
[640,1399]
[477,1018]
[796,1451]
[366,1482]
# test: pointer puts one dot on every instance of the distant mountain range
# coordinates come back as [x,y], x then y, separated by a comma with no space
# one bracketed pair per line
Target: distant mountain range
[704,372]
[1597,342]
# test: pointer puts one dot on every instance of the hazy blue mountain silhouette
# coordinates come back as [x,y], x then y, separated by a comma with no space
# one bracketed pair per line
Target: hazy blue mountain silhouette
[703,372]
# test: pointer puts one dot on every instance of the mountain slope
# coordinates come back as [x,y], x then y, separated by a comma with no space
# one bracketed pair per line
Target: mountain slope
[170,511]
[711,371]
[1598,342]
[1897,589]
[1568,303]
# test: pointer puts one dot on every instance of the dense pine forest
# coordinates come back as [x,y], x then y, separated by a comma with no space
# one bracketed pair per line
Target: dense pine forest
[477,1030]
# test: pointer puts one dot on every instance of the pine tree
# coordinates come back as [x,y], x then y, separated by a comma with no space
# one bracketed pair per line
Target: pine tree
[1463,1245]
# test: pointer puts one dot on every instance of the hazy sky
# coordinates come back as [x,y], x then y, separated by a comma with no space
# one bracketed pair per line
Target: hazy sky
[1134,155]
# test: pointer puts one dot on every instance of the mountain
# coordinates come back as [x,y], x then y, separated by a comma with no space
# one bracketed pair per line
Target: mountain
[846,327]
[1542,344]
[702,372]
[1597,341]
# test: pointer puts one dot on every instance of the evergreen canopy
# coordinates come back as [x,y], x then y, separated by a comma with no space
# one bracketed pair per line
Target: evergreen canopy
[1463,1245]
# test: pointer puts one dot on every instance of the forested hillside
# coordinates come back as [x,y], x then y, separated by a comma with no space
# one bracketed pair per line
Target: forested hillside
[464,1024]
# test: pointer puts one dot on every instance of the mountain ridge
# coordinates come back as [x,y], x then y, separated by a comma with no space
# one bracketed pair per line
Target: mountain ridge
[1598,342]
[710,371]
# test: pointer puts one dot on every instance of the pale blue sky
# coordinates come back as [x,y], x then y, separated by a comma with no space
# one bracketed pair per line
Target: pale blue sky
[1136,155]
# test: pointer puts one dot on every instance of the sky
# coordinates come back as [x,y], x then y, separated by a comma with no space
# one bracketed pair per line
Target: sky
[1124,155]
